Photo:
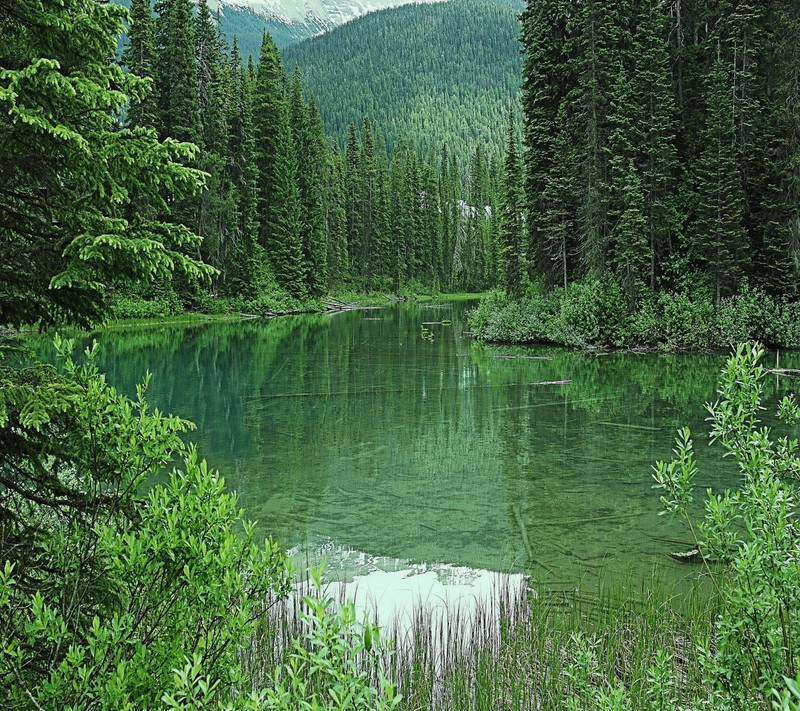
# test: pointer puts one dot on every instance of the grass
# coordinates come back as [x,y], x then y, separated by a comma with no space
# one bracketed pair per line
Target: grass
[515,652]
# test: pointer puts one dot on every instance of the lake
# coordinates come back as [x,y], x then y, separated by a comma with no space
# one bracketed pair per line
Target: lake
[389,441]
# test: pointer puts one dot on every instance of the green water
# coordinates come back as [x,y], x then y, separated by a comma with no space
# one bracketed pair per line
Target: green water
[352,432]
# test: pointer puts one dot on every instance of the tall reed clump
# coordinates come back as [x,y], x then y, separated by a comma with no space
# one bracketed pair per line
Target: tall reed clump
[516,649]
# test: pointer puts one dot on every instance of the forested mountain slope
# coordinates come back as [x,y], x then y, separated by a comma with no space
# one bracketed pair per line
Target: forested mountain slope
[444,73]
[290,21]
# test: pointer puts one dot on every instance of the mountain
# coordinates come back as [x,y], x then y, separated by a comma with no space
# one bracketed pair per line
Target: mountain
[289,21]
[433,73]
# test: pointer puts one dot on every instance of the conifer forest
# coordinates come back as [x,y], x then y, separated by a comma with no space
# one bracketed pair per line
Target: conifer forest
[442,291]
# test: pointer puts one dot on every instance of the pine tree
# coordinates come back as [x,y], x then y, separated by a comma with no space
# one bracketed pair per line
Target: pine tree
[546,80]
[70,219]
[139,58]
[629,245]
[718,239]
[176,71]
[276,162]
[336,220]
[314,207]
[380,251]
[268,103]
[510,255]
[243,263]
[353,202]
[217,211]
[658,159]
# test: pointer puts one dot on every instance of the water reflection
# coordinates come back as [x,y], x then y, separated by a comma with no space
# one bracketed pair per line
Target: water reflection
[359,429]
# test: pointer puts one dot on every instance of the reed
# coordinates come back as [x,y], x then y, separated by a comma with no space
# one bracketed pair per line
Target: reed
[515,649]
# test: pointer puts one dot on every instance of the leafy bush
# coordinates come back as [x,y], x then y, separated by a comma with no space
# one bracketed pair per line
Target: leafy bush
[749,535]
[750,549]
[114,595]
[330,667]
[105,590]
[593,314]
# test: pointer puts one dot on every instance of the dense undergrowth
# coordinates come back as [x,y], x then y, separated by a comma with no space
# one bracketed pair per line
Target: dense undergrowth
[595,314]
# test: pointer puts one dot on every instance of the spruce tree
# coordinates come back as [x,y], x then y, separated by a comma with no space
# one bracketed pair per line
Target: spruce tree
[71,223]
[243,263]
[139,58]
[545,81]
[380,250]
[353,202]
[319,171]
[658,158]
[276,162]
[336,220]
[217,209]
[268,103]
[718,242]
[176,71]
[629,245]
[510,255]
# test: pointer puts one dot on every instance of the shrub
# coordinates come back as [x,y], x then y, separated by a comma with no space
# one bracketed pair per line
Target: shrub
[114,595]
[748,534]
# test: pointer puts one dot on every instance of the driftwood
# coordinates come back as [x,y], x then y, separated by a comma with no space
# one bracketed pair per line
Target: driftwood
[552,382]
[335,305]
[687,556]
[626,426]
[437,323]
[522,357]
[793,372]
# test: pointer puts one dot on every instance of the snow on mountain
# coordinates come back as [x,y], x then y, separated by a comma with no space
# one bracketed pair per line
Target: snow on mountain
[318,14]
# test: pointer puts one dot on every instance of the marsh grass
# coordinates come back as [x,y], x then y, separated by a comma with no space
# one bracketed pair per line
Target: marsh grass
[515,649]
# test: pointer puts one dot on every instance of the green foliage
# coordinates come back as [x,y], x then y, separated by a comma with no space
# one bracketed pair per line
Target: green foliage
[596,313]
[74,180]
[107,589]
[329,667]
[511,257]
[749,536]
[661,144]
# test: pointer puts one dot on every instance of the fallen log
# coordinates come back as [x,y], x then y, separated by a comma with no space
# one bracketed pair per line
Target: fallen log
[793,372]
[522,357]
[626,426]
[552,382]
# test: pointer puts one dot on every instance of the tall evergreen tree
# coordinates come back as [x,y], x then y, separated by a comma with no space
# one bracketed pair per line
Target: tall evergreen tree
[278,194]
[658,159]
[176,71]
[718,241]
[139,58]
[336,220]
[243,264]
[510,254]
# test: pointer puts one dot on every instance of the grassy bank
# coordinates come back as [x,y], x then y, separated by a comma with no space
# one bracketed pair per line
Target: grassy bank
[129,309]
[594,314]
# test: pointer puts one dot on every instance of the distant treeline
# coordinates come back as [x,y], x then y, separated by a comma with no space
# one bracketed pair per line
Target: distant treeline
[285,207]
[441,73]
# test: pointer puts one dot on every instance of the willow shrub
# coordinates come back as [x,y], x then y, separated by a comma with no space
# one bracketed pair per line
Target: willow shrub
[123,586]
[593,314]
[750,549]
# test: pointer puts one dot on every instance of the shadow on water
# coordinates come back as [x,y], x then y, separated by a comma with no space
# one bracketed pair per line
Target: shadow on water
[363,430]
